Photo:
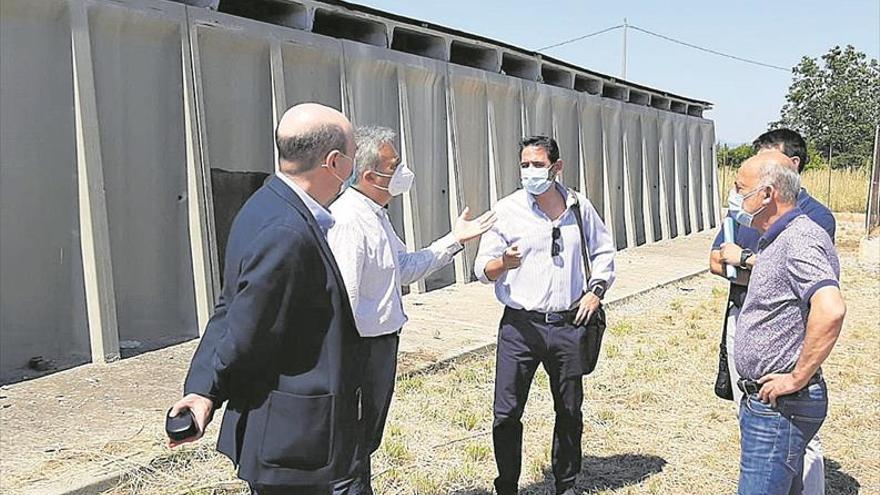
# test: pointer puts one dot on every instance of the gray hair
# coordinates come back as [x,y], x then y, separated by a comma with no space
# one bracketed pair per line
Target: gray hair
[369,139]
[309,149]
[786,181]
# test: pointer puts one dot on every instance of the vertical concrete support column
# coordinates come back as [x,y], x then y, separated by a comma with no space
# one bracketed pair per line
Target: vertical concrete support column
[695,175]
[207,245]
[279,98]
[199,219]
[649,184]
[94,231]
[712,209]
[460,263]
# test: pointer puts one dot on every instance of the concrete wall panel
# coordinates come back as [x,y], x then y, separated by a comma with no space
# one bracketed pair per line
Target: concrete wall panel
[566,131]
[683,175]
[634,174]
[42,309]
[234,93]
[592,150]
[505,123]
[651,161]
[612,131]
[424,146]
[695,167]
[312,70]
[234,77]
[139,82]
[537,109]
[468,109]
[671,211]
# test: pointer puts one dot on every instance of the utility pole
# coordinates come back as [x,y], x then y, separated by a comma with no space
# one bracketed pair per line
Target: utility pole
[830,148]
[623,64]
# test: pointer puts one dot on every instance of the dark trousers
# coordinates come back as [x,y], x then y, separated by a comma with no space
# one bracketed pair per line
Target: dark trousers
[380,369]
[523,345]
[289,490]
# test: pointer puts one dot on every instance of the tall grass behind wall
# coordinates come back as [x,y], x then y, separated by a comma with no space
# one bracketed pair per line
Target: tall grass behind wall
[848,190]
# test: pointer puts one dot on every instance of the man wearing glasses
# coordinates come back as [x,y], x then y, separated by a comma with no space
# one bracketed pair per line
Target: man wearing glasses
[533,256]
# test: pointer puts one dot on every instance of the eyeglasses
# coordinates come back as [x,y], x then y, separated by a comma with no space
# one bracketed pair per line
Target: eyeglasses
[556,247]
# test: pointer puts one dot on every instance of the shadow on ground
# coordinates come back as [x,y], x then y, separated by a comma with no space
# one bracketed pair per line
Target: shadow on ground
[838,482]
[598,473]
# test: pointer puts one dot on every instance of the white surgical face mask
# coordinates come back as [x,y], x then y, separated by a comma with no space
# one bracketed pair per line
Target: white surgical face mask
[401,180]
[535,180]
[735,207]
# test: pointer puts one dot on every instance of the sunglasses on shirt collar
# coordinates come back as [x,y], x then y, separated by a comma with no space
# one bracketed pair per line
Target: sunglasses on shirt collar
[556,246]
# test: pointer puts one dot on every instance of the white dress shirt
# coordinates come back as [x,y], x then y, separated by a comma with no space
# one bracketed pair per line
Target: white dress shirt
[544,282]
[322,215]
[375,263]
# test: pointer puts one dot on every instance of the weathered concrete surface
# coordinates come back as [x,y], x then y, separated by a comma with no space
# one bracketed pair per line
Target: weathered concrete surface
[76,431]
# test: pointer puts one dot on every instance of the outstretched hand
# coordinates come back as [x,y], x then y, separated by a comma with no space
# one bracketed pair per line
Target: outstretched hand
[466,229]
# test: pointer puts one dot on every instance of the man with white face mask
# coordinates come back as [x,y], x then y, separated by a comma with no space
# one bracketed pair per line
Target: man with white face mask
[375,264]
[741,254]
[536,255]
[789,322]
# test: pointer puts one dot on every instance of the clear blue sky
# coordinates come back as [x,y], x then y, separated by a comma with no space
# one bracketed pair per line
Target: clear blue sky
[746,97]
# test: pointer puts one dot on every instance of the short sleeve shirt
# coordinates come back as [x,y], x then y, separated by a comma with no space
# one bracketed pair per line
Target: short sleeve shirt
[797,258]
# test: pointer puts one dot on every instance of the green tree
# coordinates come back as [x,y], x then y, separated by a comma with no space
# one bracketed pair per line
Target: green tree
[733,157]
[835,104]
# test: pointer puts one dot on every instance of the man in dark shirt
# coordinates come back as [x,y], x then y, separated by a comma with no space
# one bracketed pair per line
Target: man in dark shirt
[741,254]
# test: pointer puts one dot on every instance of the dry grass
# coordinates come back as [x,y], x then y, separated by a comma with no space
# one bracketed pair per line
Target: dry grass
[651,422]
[848,193]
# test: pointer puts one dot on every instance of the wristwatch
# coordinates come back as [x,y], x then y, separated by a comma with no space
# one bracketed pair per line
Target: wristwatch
[746,254]
[599,290]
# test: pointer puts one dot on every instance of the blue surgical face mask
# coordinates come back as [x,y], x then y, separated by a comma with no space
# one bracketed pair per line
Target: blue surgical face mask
[535,180]
[735,207]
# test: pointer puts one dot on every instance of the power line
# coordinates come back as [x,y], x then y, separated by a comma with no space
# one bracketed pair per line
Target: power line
[612,28]
[670,39]
[709,50]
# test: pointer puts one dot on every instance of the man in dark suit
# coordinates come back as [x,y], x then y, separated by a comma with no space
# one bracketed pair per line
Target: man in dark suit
[282,347]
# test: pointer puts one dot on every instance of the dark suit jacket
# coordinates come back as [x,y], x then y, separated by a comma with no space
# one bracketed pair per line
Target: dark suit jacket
[282,348]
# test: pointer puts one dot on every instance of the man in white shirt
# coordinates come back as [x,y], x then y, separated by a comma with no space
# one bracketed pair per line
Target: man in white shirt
[375,264]
[533,256]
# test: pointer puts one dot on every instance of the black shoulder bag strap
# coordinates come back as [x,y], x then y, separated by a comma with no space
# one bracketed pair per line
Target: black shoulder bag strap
[590,342]
[580,221]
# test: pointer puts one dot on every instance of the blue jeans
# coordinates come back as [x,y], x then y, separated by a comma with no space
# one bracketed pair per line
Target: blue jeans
[773,440]
[814,462]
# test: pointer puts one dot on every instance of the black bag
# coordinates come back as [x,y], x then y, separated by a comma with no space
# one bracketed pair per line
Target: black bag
[594,329]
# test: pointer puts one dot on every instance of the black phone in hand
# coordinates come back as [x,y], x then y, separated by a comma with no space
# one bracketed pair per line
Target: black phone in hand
[182,426]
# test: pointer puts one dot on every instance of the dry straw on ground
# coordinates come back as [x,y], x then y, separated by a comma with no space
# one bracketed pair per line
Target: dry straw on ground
[651,422]
[847,190]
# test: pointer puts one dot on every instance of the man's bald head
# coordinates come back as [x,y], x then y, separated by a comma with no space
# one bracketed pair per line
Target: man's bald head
[774,169]
[307,133]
